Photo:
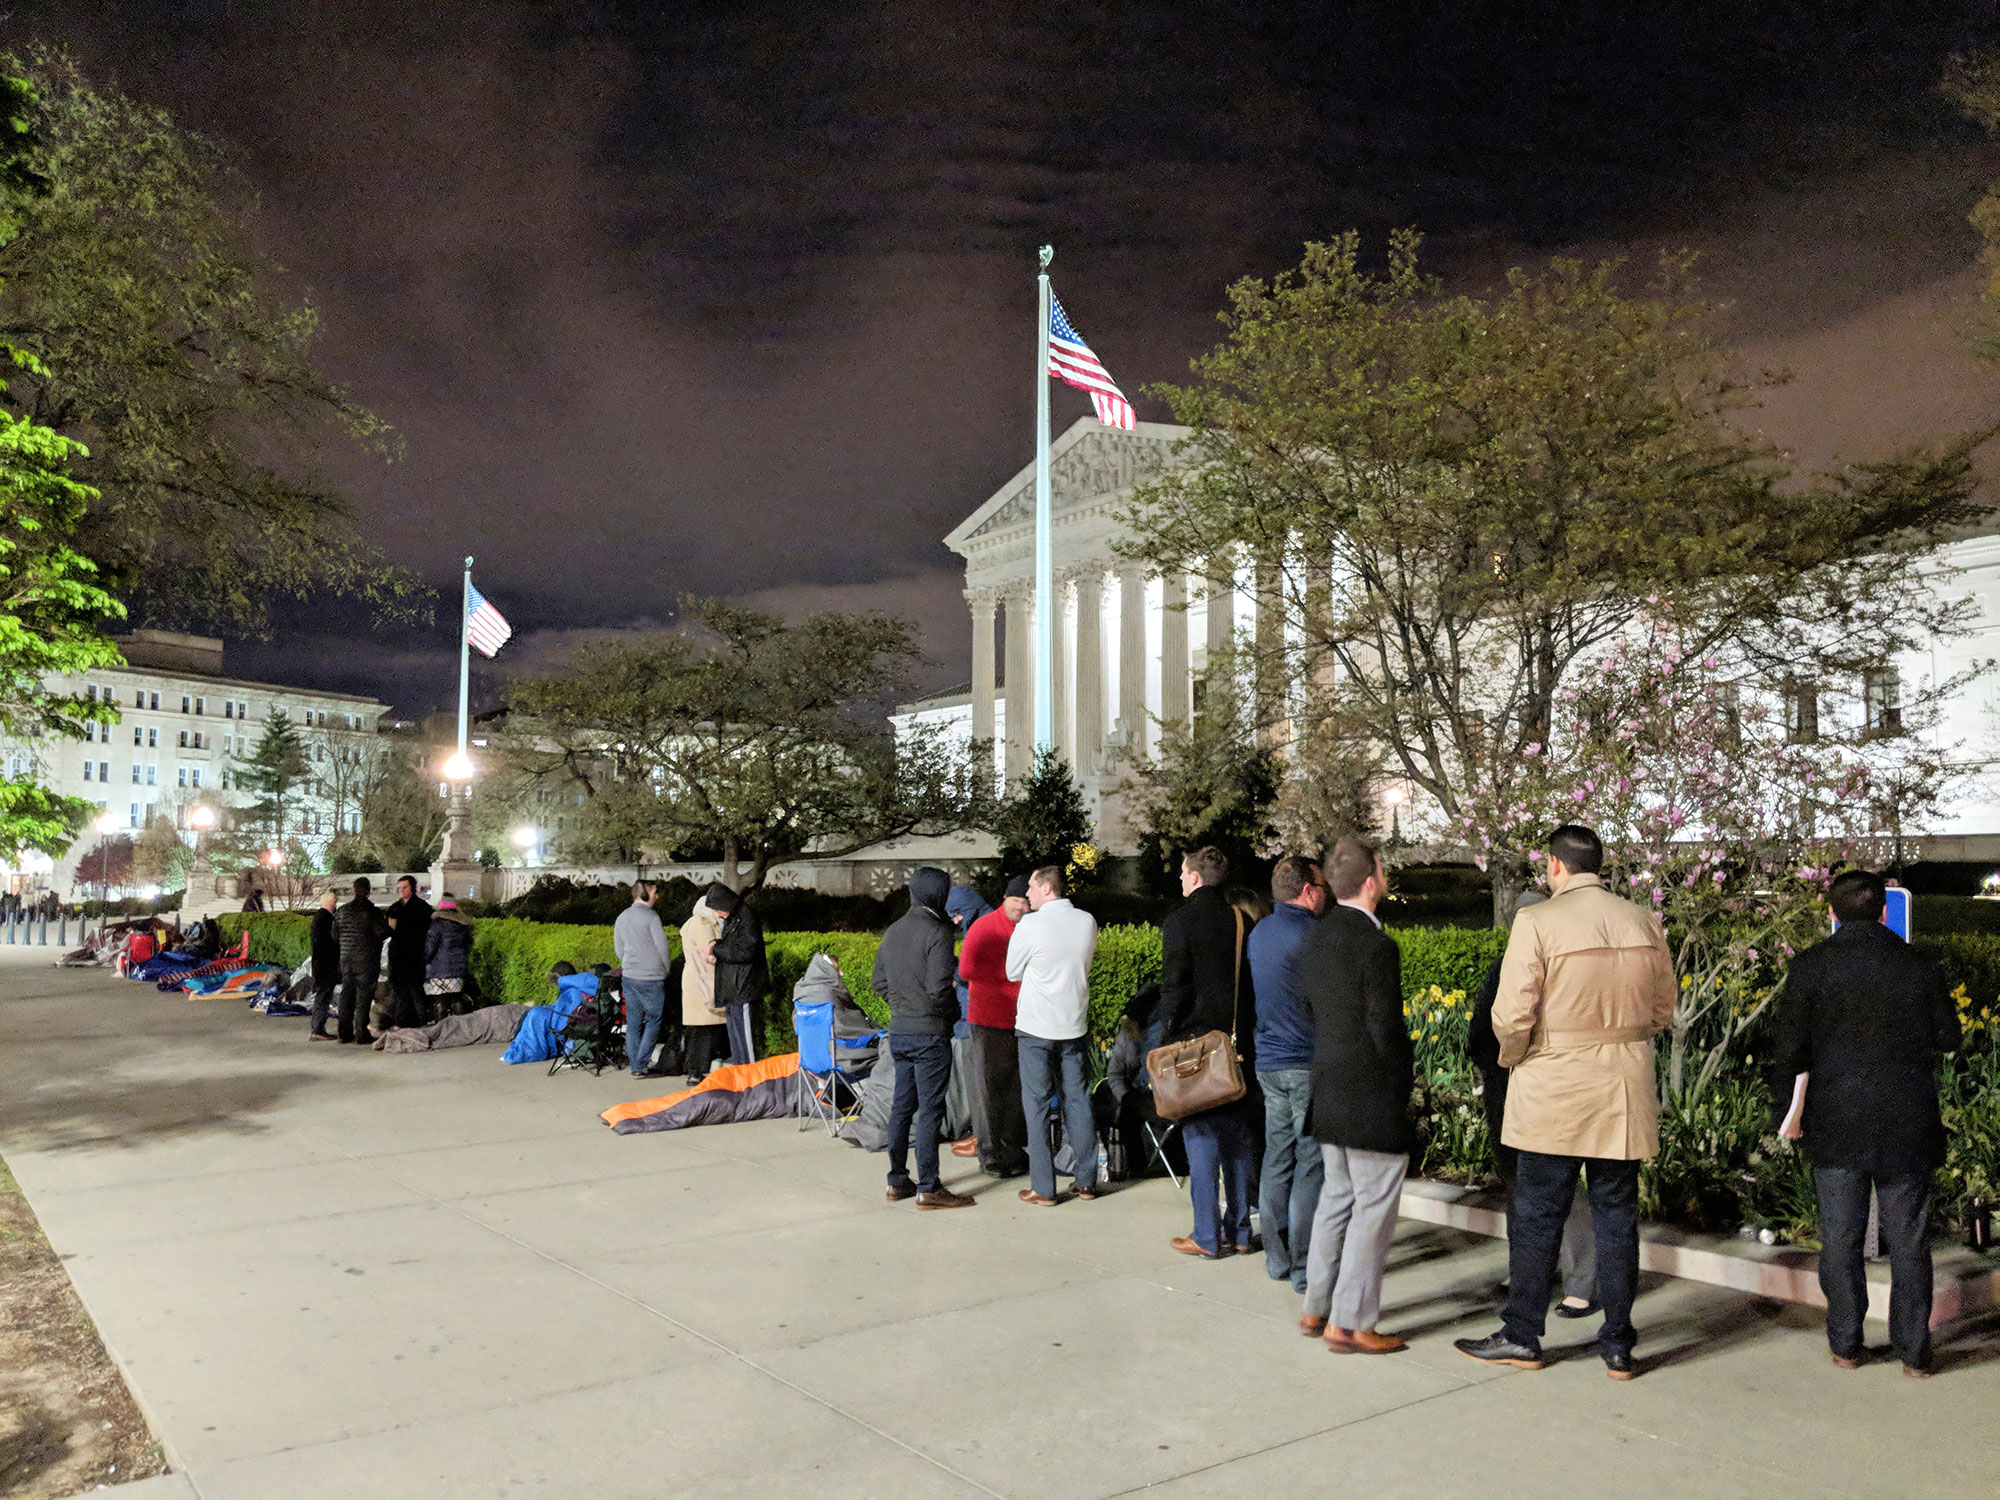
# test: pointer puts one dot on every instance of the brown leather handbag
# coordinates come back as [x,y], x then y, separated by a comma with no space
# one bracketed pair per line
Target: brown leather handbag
[1204,1072]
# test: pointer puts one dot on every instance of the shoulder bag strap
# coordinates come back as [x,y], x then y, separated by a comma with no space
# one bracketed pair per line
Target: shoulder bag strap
[1236,982]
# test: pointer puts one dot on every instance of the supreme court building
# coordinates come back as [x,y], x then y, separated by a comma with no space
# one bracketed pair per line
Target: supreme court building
[1131,646]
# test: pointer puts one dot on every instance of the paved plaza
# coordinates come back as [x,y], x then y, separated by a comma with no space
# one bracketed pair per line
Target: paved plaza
[338,1273]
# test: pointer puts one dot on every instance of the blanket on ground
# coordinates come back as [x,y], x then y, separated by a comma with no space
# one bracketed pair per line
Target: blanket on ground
[766,1090]
[494,1023]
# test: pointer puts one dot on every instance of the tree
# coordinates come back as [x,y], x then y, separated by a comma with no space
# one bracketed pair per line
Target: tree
[136,281]
[53,608]
[1044,822]
[1972,82]
[279,776]
[1460,499]
[402,817]
[1212,781]
[743,737]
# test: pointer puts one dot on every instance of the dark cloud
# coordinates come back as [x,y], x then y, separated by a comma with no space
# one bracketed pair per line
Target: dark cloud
[738,298]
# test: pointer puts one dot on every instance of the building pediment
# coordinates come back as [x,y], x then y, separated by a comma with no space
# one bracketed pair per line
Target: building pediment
[1087,463]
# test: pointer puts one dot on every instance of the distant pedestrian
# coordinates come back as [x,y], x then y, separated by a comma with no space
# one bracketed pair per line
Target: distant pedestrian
[1288,1187]
[704,1033]
[254,901]
[409,917]
[361,928]
[999,1128]
[643,959]
[915,972]
[742,971]
[325,967]
[1862,1024]
[1049,956]
[1351,974]
[1586,984]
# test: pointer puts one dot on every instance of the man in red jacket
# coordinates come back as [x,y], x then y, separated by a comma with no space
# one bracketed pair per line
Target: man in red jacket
[998,1123]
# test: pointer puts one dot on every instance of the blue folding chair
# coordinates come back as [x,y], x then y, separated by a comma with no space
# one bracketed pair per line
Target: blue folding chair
[821,1075]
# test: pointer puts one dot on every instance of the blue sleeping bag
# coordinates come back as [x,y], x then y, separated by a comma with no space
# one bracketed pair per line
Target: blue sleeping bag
[536,1040]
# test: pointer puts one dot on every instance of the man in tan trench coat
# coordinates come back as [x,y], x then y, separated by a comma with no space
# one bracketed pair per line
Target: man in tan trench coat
[1586,985]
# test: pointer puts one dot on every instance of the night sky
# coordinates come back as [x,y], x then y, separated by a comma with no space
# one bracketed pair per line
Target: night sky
[739,299]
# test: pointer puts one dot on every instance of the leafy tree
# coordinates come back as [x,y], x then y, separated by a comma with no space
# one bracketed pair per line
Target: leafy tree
[741,737]
[136,281]
[279,776]
[1463,499]
[402,817]
[1045,820]
[53,609]
[1212,781]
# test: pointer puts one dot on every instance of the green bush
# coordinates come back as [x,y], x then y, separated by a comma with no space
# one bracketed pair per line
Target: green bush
[1452,958]
[276,937]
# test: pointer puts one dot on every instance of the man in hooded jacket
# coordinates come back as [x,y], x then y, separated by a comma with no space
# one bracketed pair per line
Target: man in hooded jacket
[916,971]
[742,972]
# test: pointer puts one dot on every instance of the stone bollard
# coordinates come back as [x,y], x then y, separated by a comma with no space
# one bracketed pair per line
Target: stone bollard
[62,932]
[44,940]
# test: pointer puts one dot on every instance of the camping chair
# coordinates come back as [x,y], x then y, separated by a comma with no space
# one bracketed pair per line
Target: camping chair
[821,1076]
[1158,1137]
[592,1037]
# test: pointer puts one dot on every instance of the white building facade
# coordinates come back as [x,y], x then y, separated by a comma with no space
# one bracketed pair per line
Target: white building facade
[1132,647]
[182,725]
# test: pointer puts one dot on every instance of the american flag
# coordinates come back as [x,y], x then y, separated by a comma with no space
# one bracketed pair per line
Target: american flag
[1071,362]
[485,627]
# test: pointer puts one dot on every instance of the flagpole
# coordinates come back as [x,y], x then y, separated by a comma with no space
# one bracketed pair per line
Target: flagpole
[464,656]
[1045,590]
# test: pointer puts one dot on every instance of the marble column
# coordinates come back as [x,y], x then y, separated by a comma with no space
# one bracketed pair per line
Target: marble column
[1132,656]
[1221,608]
[1020,751]
[982,602]
[1272,710]
[1089,720]
[1059,735]
[1173,648]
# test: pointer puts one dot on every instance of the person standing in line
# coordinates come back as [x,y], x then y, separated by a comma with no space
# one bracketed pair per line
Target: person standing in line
[742,971]
[640,943]
[1000,1129]
[1864,1019]
[1350,973]
[360,928]
[448,957]
[1288,1187]
[916,972]
[325,966]
[1578,1260]
[409,918]
[1204,987]
[704,1028]
[1049,956]
[962,908]
[1586,984]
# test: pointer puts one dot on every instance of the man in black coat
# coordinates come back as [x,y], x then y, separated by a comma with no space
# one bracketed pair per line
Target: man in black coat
[1205,986]
[409,928]
[360,928]
[325,967]
[916,971]
[1865,1019]
[742,971]
[1350,975]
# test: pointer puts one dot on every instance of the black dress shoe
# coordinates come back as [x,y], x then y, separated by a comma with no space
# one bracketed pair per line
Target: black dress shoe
[1498,1349]
[1564,1310]
[1618,1364]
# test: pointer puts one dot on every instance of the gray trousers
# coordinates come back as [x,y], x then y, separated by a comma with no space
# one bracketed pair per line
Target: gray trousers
[1351,1234]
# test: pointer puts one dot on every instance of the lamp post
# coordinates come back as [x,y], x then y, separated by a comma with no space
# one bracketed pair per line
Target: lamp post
[528,839]
[1395,797]
[106,824]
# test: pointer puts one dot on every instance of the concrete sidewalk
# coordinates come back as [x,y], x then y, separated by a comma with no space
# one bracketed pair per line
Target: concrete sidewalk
[331,1273]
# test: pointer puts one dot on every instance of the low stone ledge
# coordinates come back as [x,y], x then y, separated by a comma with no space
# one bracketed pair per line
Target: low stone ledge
[1968,1283]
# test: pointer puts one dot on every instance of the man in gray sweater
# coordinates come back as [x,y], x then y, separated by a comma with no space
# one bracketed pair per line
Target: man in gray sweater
[916,971]
[641,945]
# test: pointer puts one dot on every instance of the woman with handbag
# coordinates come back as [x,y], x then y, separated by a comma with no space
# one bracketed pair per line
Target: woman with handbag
[1199,1073]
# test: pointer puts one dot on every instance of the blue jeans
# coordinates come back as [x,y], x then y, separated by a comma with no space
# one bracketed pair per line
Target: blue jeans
[1049,1068]
[923,1072]
[645,1015]
[1544,1191]
[1288,1192]
[1220,1145]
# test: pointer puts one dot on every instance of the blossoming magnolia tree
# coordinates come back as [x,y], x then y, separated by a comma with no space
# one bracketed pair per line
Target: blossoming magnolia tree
[1714,814]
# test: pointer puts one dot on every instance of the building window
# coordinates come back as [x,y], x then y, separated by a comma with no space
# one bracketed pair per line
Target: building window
[138,697]
[228,708]
[135,773]
[184,775]
[187,703]
[90,692]
[152,775]
[184,739]
[242,708]
[152,739]
[88,769]
[201,705]
[156,701]
[194,776]
[1802,713]
[138,735]
[89,733]
[227,780]
[135,815]
[1882,694]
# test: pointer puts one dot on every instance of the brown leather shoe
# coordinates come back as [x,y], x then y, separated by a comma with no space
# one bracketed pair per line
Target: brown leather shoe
[1029,1195]
[1842,1362]
[1310,1326]
[1187,1246]
[901,1190]
[1918,1372]
[1087,1194]
[967,1147]
[1362,1341]
[944,1198]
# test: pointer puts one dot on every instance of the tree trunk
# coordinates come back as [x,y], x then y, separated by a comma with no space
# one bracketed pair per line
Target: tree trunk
[729,863]
[1510,877]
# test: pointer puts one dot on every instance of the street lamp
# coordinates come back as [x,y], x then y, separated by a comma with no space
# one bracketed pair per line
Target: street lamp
[526,838]
[203,818]
[458,767]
